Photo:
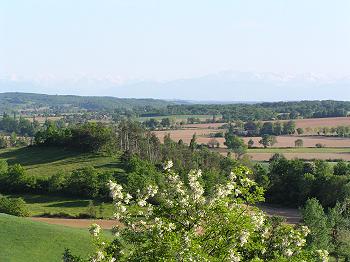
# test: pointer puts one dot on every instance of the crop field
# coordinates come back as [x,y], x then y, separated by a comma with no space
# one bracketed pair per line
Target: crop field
[335,148]
[334,153]
[50,161]
[328,154]
[282,141]
[25,240]
[302,123]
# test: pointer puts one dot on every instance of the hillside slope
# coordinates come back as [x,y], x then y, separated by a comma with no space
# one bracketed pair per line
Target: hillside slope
[41,161]
[22,240]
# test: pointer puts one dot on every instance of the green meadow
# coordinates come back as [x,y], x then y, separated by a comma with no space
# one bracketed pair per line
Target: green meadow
[22,240]
[47,161]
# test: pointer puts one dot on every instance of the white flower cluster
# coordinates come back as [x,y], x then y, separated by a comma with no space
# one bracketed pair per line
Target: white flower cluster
[195,186]
[258,220]
[244,238]
[94,230]
[115,190]
[323,255]
[236,183]
[168,165]
[234,256]
[98,257]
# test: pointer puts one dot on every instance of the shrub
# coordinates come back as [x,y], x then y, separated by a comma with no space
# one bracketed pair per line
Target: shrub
[13,206]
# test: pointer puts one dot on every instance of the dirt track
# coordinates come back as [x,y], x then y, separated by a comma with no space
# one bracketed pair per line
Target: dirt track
[78,223]
[292,216]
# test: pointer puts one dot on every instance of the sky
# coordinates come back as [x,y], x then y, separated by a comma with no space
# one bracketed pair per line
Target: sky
[165,40]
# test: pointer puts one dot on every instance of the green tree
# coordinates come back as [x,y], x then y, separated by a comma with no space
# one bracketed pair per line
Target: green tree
[342,168]
[299,143]
[339,221]
[250,143]
[268,140]
[193,142]
[165,122]
[315,218]
[235,144]
[91,210]
[289,127]
[13,206]
[300,131]
[277,128]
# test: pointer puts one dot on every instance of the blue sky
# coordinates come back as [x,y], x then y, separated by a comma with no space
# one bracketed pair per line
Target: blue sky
[168,39]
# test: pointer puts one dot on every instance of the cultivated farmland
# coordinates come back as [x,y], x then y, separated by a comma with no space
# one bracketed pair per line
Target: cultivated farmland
[334,148]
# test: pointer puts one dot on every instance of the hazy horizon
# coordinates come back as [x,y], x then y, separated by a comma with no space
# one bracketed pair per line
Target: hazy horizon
[190,50]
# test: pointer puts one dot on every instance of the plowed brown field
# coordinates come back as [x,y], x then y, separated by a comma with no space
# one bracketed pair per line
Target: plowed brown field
[303,123]
[282,141]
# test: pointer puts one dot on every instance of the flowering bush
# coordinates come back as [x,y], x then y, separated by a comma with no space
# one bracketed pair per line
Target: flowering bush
[185,225]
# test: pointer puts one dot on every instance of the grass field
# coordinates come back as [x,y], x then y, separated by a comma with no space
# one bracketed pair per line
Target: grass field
[40,204]
[22,240]
[49,161]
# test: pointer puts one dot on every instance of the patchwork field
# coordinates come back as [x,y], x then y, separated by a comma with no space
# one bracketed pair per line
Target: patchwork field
[282,141]
[330,154]
[306,156]
[302,123]
[335,147]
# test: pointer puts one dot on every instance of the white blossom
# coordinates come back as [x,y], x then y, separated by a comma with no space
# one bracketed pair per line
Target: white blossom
[288,252]
[168,165]
[244,237]
[323,255]
[115,190]
[95,230]
[142,202]
[234,256]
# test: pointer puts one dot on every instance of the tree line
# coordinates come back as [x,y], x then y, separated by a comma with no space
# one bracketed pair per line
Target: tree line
[20,126]
[293,182]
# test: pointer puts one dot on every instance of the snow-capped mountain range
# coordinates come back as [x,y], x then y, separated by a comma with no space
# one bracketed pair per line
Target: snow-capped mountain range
[222,86]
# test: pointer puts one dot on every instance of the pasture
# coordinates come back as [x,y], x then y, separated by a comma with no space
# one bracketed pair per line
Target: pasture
[24,240]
